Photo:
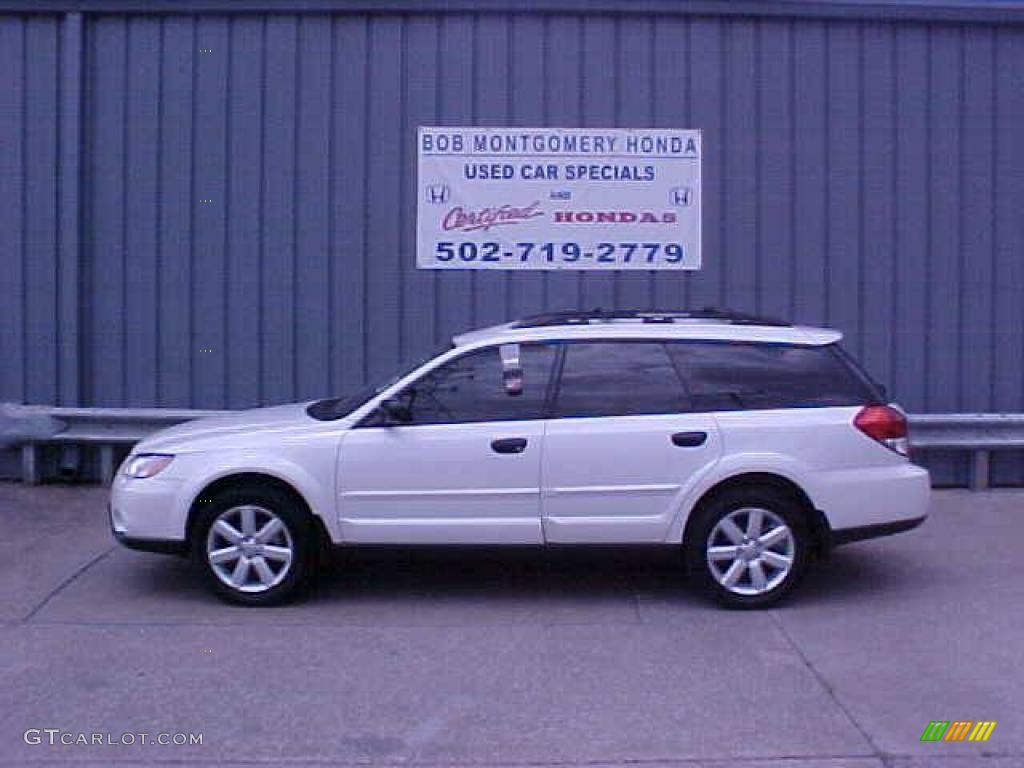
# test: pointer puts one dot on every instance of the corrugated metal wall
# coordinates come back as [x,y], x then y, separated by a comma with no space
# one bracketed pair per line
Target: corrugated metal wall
[247,193]
[29,330]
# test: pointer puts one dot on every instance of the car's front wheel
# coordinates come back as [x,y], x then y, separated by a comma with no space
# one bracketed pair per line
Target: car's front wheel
[254,545]
[748,547]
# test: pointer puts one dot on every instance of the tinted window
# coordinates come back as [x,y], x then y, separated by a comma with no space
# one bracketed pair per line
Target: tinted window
[618,379]
[470,388]
[336,407]
[730,376]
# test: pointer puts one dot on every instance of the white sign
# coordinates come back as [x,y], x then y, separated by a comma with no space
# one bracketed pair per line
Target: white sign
[558,198]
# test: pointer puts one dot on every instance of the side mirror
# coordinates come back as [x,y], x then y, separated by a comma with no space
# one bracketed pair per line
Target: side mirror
[511,371]
[396,411]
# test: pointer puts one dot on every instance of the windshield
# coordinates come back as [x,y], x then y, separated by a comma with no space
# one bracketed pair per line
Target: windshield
[333,408]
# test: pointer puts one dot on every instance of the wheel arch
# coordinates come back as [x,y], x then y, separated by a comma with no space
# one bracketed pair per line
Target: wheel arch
[258,479]
[817,522]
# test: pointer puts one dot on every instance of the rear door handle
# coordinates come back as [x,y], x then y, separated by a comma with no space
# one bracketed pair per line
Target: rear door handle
[509,445]
[689,439]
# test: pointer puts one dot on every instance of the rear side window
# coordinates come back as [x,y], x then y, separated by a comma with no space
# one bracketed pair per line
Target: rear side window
[618,378]
[727,376]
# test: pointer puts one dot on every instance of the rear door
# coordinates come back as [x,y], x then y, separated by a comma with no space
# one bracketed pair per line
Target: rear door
[620,444]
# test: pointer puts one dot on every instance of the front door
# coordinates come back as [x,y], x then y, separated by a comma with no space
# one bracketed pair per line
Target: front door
[620,445]
[465,465]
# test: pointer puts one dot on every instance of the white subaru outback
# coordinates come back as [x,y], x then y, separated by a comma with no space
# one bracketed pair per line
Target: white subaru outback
[752,445]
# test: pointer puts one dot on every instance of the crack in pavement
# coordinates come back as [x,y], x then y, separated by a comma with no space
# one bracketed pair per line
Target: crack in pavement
[65,583]
[878,753]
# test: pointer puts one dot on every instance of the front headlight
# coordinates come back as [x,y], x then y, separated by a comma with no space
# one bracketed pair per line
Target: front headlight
[146,464]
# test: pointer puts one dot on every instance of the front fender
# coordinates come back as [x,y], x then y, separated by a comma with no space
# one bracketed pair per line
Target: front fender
[318,494]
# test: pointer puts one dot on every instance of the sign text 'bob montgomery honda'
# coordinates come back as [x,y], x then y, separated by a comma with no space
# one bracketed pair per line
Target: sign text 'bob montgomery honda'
[558,198]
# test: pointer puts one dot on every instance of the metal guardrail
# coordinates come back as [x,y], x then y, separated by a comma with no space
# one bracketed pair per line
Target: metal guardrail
[978,433]
[32,426]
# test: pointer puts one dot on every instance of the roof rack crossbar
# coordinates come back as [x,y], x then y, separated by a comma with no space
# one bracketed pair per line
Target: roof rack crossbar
[599,315]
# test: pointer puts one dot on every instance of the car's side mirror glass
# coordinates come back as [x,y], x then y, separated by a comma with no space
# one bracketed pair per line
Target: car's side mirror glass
[511,369]
[396,411]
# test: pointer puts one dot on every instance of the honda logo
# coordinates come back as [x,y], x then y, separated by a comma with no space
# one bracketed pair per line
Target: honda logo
[680,196]
[438,193]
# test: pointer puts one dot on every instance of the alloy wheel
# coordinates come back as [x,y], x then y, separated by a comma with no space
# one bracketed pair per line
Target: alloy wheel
[750,551]
[249,548]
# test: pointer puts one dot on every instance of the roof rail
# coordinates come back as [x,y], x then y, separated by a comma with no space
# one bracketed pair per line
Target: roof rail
[598,315]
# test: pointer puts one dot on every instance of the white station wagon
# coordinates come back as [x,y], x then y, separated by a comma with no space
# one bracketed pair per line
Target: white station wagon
[752,445]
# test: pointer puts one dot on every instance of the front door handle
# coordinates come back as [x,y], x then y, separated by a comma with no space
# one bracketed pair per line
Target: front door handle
[509,445]
[689,439]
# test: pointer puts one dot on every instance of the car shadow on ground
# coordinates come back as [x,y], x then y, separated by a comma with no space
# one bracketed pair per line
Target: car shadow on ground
[583,576]
[864,572]
[491,572]
[593,573]
[453,574]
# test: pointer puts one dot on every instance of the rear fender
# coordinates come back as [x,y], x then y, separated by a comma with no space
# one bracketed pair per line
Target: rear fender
[785,467]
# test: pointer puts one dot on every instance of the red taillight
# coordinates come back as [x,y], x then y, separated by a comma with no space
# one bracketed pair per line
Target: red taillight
[884,424]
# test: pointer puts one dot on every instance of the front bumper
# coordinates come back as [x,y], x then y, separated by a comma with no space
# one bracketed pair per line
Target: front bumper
[160,546]
[148,514]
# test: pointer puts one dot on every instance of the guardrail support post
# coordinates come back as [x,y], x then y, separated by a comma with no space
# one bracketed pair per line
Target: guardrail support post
[30,464]
[979,470]
[106,464]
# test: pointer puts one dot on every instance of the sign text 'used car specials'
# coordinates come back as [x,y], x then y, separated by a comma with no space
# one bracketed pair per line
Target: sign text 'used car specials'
[558,198]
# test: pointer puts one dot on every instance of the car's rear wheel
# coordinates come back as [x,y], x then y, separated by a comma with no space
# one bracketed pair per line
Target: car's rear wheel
[748,547]
[255,545]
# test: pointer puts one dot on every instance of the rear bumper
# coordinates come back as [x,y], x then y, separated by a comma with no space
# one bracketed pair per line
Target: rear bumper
[873,498]
[860,533]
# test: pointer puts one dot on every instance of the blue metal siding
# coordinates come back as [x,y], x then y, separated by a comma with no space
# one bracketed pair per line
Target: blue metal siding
[12,207]
[866,174]
[974,11]
[1006,379]
[29,280]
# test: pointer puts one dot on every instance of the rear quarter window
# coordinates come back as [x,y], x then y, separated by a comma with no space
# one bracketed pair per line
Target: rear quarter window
[747,376]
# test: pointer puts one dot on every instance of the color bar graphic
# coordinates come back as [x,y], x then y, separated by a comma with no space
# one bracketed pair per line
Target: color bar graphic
[982,730]
[958,730]
[935,730]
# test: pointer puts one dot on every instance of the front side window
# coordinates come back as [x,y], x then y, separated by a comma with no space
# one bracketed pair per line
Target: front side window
[618,378]
[729,376]
[475,387]
[333,408]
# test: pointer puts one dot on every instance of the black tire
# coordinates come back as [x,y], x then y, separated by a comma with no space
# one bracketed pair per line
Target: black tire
[299,535]
[745,592]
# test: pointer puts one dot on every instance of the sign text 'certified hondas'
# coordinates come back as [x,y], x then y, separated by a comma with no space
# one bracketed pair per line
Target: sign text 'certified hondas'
[558,198]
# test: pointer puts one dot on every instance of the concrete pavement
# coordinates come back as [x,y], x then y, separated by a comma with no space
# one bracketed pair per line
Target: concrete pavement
[579,658]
